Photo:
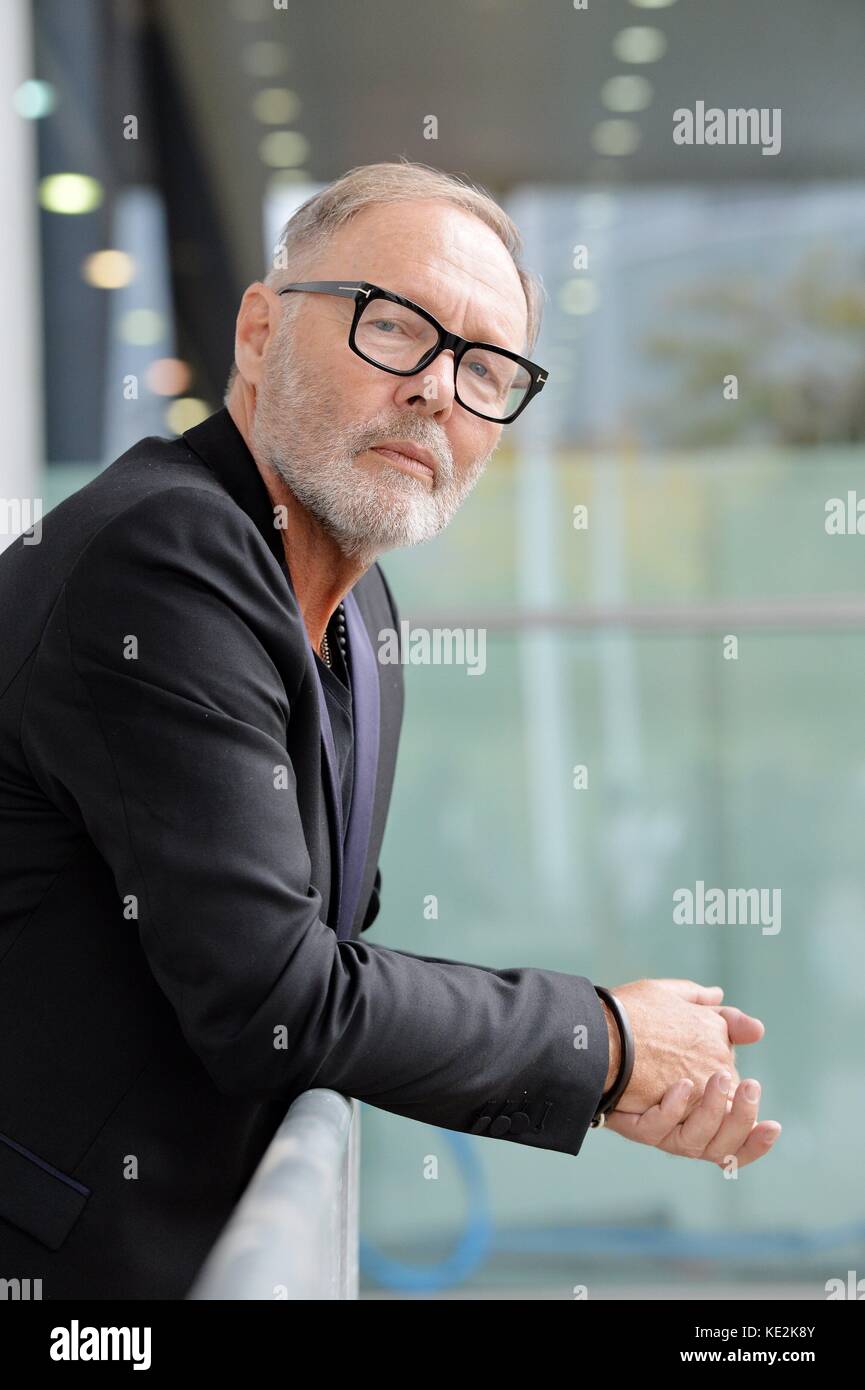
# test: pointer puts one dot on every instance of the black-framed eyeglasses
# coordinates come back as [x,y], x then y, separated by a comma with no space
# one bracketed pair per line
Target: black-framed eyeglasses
[489,381]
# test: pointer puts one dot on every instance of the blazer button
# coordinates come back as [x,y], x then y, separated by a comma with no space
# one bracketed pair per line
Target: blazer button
[500,1125]
[520,1122]
[481,1125]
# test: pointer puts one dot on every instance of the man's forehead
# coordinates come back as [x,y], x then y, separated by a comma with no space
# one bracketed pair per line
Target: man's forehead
[470,307]
[444,259]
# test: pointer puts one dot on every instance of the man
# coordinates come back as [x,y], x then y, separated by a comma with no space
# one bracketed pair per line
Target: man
[196,776]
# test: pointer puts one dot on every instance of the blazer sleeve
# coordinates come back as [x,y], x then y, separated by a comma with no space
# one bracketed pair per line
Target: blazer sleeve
[156,718]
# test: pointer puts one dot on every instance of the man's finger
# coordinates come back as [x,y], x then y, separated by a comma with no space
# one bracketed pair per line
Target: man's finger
[704,1122]
[741,1027]
[654,1124]
[737,1124]
[758,1143]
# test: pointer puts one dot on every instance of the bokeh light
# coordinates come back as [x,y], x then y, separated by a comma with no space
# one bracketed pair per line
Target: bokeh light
[639,44]
[283,149]
[108,270]
[168,376]
[616,137]
[626,93]
[142,327]
[275,105]
[579,296]
[186,413]
[35,99]
[70,194]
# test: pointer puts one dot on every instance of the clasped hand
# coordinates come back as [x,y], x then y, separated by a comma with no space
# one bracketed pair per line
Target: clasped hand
[716,1121]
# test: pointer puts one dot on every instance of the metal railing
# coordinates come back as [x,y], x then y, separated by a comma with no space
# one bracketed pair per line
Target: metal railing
[294,1233]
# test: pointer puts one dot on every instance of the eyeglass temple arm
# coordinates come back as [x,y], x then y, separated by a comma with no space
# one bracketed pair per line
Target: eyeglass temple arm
[328,287]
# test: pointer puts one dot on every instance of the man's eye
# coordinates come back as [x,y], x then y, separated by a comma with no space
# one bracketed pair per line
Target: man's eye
[384,324]
[488,375]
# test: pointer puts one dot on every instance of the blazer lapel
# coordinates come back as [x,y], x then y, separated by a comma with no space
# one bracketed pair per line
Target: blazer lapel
[333,796]
[220,444]
[365,697]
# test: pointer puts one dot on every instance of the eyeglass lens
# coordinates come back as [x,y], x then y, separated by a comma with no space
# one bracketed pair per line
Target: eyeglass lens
[395,337]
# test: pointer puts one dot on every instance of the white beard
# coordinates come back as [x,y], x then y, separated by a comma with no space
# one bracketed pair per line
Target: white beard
[366,512]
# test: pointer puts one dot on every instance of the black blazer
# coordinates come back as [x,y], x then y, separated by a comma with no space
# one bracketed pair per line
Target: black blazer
[170,979]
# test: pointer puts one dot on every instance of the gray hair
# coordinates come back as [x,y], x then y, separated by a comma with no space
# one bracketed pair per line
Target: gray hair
[308,230]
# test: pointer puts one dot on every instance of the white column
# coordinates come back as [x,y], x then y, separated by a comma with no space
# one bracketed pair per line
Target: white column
[20,379]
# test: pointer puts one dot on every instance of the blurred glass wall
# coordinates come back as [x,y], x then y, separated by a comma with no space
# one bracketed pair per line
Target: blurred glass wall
[609,654]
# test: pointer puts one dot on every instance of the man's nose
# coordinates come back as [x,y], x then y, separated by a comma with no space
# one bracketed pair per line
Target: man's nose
[430,391]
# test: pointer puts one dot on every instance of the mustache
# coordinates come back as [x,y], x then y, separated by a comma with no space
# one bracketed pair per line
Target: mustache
[371,434]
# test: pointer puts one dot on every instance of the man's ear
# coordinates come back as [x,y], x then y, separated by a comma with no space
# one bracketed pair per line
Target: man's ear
[257,321]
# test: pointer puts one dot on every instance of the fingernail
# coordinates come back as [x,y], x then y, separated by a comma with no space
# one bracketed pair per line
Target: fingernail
[752,1091]
[688,1085]
[724,1082]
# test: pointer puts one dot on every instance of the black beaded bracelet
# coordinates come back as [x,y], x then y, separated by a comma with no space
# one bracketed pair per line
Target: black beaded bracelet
[626,1064]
